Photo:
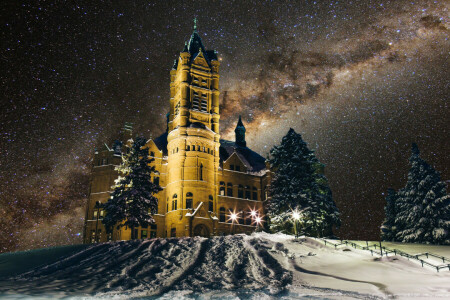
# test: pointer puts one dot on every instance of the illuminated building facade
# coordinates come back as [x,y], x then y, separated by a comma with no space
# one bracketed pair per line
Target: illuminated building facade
[210,186]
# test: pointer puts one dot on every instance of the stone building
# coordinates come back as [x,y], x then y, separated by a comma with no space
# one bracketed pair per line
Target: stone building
[210,186]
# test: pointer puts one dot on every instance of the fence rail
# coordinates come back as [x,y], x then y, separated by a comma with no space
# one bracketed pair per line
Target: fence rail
[381,250]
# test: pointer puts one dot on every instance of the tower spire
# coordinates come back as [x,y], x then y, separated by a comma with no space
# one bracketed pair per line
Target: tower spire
[195,24]
[240,134]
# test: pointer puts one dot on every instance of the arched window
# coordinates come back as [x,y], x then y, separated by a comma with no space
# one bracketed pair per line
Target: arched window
[222,189]
[240,191]
[255,194]
[222,214]
[152,153]
[211,203]
[188,148]
[247,192]
[229,189]
[189,200]
[201,172]
[167,205]
[156,180]
[174,202]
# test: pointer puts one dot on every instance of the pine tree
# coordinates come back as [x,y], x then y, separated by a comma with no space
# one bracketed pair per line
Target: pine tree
[299,184]
[132,202]
[390,229]
[423,206]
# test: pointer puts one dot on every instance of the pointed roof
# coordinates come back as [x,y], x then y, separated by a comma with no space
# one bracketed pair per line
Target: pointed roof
[240,124]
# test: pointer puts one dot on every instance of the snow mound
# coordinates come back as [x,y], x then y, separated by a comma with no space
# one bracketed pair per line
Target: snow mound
[153,267]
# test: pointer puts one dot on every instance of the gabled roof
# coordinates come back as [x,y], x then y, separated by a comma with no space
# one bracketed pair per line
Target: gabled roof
[252,160]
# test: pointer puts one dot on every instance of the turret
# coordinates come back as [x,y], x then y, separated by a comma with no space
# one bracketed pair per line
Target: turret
[240,134]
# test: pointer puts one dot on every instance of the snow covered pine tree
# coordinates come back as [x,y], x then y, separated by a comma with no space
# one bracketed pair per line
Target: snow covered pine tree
[423,206]
[299,184]
[133,199]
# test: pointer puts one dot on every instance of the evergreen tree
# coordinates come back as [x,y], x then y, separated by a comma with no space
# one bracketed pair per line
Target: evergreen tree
[133,199]
[423,206]
[390,229]
[299,184]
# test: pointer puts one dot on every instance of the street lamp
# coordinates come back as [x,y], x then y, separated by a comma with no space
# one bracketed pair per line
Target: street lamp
[233,218]
[258,222]
[296,216]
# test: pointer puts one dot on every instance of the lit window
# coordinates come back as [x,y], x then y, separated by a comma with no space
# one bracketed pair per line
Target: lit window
[143,234]
[222,188]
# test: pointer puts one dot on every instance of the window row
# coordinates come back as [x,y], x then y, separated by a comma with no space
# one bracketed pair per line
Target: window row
[242,192]
[235,168]
[243,217]
[199,148]
[195,148]
[189,202]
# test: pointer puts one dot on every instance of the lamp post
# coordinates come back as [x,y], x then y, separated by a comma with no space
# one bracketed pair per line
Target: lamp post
[296,217]
[384,229]
[233,217]
[258,221]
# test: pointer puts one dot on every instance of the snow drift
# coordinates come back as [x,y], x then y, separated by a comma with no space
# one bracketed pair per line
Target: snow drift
[153,267]
[268,266]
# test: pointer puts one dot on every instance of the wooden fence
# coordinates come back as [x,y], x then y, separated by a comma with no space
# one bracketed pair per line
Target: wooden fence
[386,251]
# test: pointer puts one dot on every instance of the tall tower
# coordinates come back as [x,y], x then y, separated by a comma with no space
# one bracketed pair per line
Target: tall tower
[193,141]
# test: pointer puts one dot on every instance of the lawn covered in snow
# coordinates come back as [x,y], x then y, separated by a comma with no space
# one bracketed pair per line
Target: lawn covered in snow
[268,266]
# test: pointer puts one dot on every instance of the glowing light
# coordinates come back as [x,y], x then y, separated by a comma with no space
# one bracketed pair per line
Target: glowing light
[258,220]
[296,215]
[233,217]
[253,213]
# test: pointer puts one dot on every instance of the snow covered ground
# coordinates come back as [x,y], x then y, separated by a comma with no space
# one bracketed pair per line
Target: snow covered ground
[262,265]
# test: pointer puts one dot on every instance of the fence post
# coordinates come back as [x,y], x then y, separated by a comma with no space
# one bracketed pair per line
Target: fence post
[371,252]
[395,251]
[443,259]
[426,254]
[421,262]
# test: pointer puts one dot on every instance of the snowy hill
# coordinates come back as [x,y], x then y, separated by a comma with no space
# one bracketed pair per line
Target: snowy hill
[246,267]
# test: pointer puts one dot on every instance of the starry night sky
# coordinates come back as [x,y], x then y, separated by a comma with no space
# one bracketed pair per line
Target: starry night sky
[360,80]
